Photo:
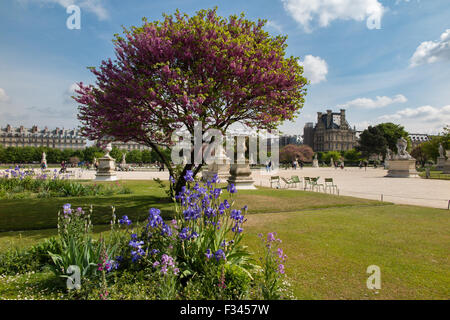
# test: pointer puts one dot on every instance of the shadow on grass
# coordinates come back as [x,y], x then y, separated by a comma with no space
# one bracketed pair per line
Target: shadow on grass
[35,214]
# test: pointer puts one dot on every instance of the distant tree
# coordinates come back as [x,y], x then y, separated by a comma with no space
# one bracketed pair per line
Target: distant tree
[352,155]
[431,147]
[146,156]
[392,132]
[376,140]
[326,157]
[420,155]
[134,156]
[92,152]
[372,141]
[292,152]
[117,154]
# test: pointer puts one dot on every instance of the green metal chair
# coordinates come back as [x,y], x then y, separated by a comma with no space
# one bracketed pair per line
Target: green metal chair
[288,183]
[329,184]
[275,180]
[315,184]
[298,180]
[307,183]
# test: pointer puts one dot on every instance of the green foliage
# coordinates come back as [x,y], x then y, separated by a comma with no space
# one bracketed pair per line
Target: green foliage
[41,186]
[352,155]
[326,157]
[376,140]
[33,259]
[430,149]
[134,156]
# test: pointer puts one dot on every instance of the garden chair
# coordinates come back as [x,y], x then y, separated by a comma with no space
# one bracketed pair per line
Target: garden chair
[275,180]
[288,182]
[329,184]
[315,184]
[296,180]
[307,183]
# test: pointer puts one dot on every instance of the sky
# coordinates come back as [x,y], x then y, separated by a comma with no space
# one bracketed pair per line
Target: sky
[381,60]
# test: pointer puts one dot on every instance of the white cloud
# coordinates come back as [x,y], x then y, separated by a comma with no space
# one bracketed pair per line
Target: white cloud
[422,119]
[72,88]
[306,12]
[379,102]
[432,51]
[96,7]
[3,96]
[315,69]
[274,26]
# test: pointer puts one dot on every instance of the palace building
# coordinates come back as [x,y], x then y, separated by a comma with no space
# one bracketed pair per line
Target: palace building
[331,132]
[34,137]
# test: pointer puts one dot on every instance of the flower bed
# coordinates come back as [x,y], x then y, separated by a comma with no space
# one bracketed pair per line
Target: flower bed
[197,255]
[17,184]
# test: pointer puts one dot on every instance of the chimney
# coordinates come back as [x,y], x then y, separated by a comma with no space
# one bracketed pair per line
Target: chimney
[319,116]
[329,118]
[342,117]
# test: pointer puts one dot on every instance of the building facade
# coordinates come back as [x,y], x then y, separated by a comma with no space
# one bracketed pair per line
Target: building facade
[35,137]
[129,146]
[418,138]
[331,133]
[290,139]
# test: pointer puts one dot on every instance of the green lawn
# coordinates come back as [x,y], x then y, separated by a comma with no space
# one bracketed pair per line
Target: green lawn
[330,241]
[32,214]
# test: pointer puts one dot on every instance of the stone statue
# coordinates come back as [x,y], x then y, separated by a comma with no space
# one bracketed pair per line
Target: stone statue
[402,154]
[441,150]
[124,162]
[388,154]
[315,156]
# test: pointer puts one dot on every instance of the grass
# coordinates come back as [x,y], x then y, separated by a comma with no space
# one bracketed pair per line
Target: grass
[330,241]
[329,251]
[32,214]
[436,175]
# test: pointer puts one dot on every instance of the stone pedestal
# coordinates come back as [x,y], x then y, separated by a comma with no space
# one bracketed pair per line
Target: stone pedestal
[446,167]
[222,171]
[402,169]
[241,176]
[106,167]
[440,163]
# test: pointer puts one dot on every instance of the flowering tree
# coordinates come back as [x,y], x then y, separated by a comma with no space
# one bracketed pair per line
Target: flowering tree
[293,152]
[168,74]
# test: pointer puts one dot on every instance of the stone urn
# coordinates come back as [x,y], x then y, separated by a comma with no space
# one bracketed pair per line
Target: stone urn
[106,167]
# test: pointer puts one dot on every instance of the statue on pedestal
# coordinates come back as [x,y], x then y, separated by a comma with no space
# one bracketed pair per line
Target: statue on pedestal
[402,164]
[106,167]
[315,163]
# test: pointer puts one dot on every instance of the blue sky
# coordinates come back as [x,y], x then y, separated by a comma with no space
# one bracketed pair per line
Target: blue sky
[381,60]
